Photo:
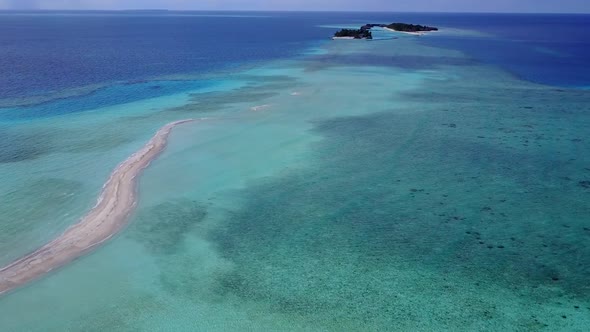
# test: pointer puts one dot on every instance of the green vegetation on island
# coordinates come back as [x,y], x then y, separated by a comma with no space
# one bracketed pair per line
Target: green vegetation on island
[365,31]
[410,27]
[354,33]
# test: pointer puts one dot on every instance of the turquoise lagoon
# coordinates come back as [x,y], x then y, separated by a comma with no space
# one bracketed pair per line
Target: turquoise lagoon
[386,185]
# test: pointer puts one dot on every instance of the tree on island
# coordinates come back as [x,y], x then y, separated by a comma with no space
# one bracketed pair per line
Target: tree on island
[354,33]
[365,31]
[410,27]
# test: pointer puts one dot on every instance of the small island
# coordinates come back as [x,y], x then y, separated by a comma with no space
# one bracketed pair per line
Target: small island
[403,27]
[353,34]
[365,31]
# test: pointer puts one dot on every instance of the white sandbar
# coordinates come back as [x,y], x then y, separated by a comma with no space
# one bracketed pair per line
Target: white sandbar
[115,204]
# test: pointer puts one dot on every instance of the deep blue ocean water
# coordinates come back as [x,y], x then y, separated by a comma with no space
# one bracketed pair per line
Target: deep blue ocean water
[46,53]
[548,49]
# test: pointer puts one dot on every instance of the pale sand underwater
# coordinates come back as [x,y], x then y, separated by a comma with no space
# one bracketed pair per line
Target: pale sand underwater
[115,204]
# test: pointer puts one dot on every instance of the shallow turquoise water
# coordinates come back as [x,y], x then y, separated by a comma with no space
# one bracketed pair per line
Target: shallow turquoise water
[383,186]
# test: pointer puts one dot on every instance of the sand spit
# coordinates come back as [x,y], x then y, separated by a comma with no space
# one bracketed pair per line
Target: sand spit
[115,204]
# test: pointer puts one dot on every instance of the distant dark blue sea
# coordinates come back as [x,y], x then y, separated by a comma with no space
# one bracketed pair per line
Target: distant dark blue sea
[547,49]
[45,53]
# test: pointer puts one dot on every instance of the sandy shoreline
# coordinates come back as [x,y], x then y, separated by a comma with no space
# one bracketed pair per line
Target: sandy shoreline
[115,204]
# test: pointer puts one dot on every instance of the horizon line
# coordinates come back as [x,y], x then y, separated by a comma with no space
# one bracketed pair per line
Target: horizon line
[288,11]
